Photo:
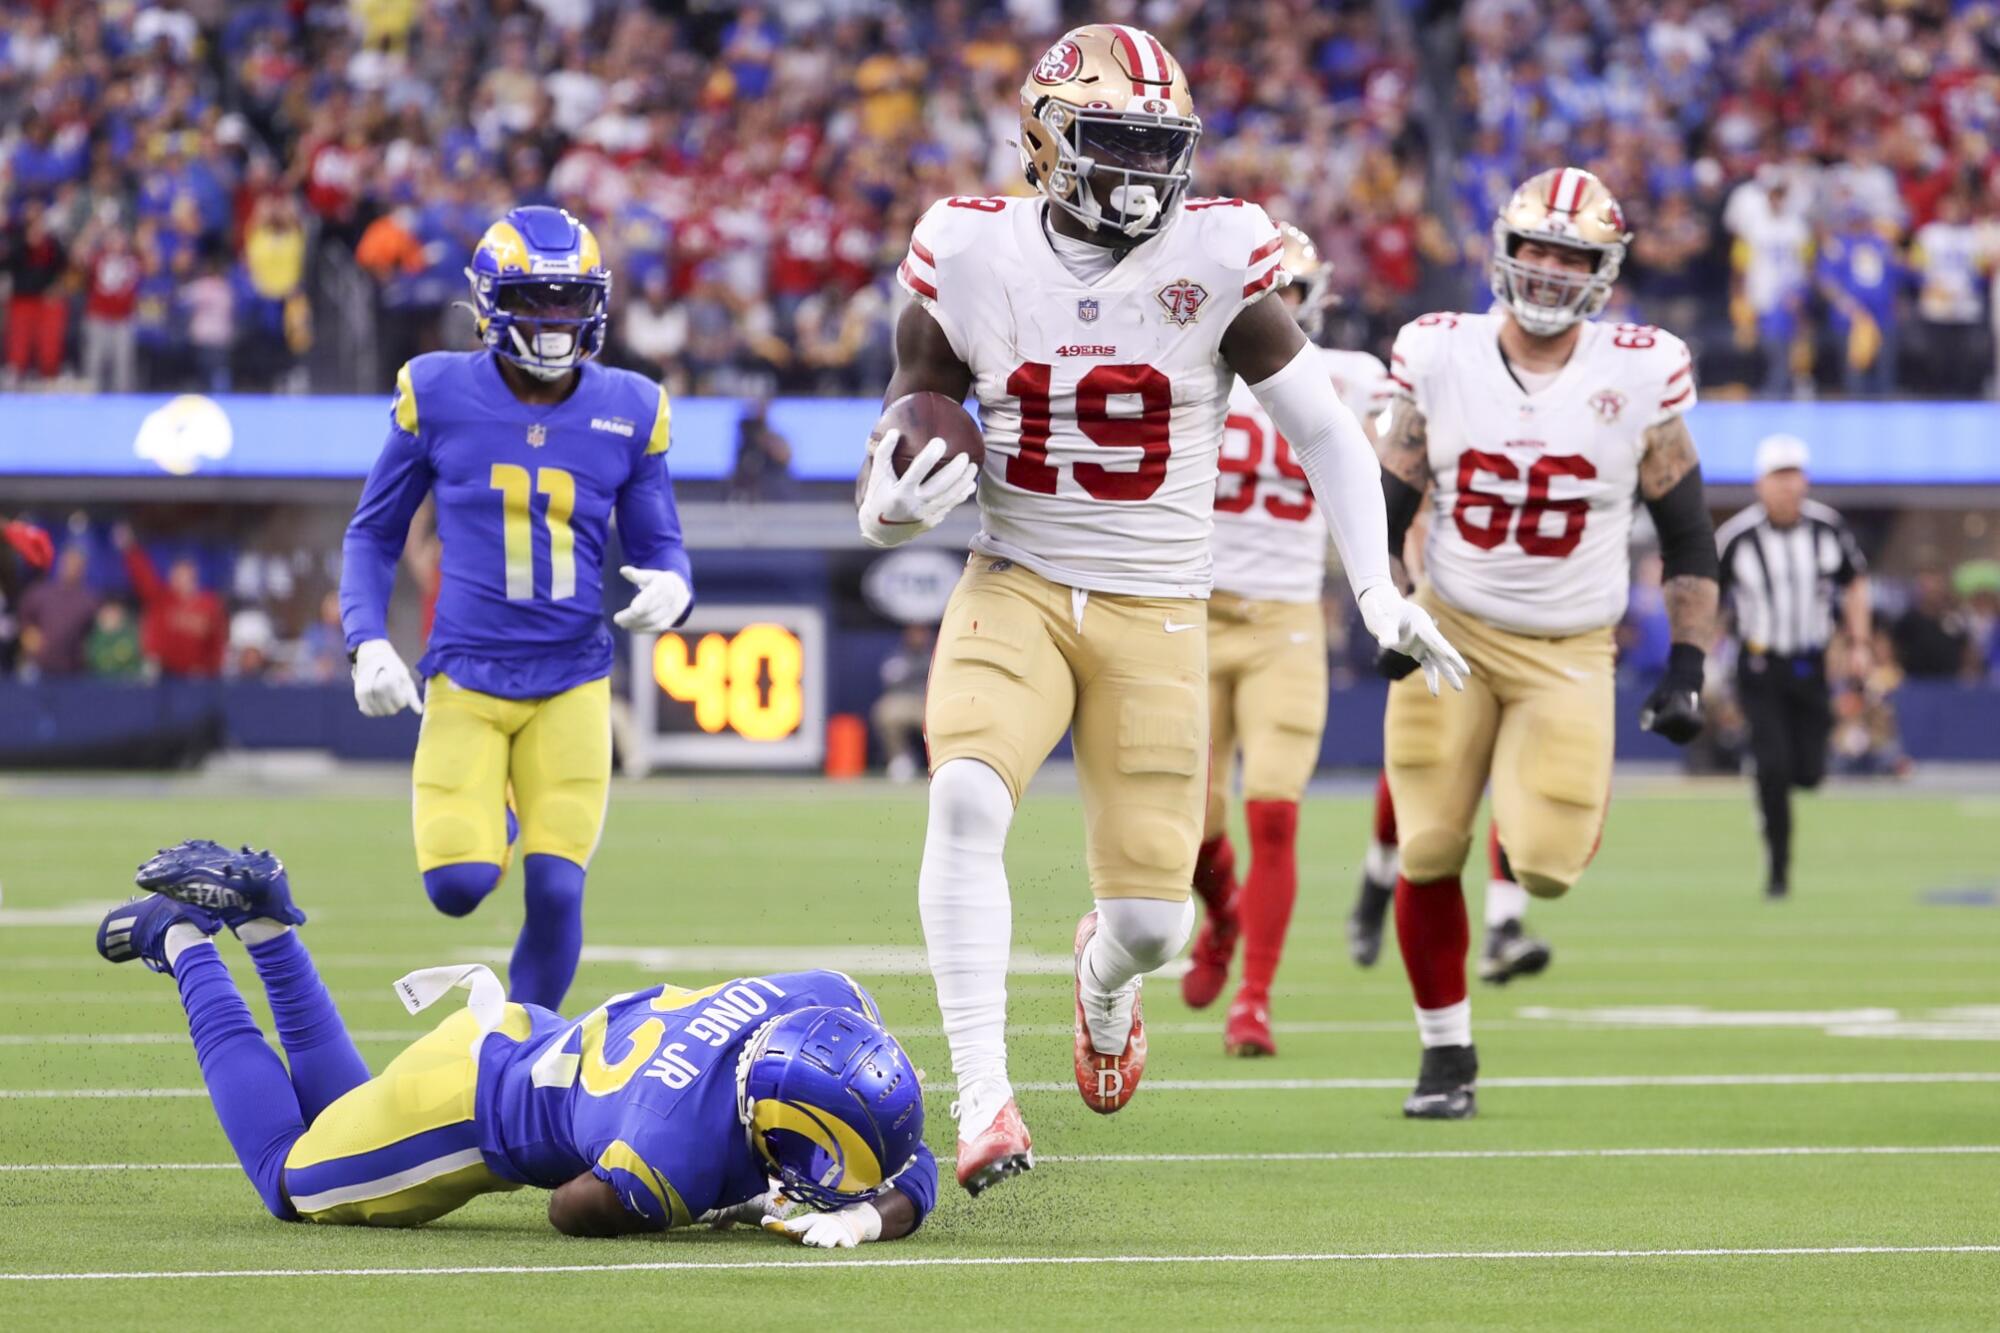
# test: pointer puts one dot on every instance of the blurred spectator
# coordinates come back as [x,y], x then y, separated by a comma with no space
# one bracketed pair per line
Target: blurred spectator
[56,614]
[278,314]
[1978,583]
[652,330]
[208,303]
[1933,641]
[1858,274]
[183,628]
[37,309]
[1946,256]
[253,641]
[112,650]
[898,714]
[1772,243]
[763,458]
[110,331]
[321,652]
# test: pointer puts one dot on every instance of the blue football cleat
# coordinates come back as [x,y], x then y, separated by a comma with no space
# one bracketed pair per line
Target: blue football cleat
[236,886]
[138,929]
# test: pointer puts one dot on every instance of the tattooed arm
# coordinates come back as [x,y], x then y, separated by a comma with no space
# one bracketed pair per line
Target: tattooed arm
[1670,484]
[1406,474]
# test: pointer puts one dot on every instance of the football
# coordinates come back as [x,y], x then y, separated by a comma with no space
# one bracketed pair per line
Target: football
[923,417]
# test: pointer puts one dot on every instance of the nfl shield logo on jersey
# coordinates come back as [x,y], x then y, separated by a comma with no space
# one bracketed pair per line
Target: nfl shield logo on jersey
[1183,300]
[1086,309]
[1607,403]
[538,435]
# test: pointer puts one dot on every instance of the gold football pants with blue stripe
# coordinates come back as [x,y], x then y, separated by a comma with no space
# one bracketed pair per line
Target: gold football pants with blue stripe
[555,752]
[402,1148]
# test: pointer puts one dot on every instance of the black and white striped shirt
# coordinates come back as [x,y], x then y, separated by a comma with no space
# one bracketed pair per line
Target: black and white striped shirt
[1781,581]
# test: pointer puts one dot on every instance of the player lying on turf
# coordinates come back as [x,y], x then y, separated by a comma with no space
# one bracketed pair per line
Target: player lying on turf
[656,1109]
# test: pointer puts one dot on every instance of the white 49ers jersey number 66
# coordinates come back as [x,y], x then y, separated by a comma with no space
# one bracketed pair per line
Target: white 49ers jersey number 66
[1532,494]
[1102,403]
[1270,536]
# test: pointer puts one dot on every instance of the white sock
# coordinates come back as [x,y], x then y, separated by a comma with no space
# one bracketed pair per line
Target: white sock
[1382,863]
[1449,1026]
[260,929]
[968,927]
[181,937]
[1134,936]
[1505,901]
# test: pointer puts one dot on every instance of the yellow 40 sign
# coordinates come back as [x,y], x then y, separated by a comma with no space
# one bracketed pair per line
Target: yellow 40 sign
[750,682]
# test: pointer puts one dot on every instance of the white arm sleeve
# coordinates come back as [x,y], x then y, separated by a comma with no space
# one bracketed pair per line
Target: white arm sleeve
[1340,465]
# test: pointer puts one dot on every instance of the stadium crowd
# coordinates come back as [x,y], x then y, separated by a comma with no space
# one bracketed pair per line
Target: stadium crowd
[193,190]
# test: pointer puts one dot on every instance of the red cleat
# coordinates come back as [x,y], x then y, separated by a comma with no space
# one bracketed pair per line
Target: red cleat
[1107,1082]
[1208,961]
[1001,1150]
[1248,1031]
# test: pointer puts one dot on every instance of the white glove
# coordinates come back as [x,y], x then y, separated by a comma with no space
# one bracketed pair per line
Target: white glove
[383,686]
[663,598]
[851,1226]
[1402,626]
[894,509]
[750,1210]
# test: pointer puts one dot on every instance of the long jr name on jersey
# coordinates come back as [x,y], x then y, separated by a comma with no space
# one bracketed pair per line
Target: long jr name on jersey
[1270,536]
[1102,402]
[1533,493]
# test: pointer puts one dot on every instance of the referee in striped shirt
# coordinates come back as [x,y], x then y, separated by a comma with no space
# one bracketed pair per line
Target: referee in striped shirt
[1782,560]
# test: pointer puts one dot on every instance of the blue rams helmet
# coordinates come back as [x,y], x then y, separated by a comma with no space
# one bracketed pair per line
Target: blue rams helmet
[832,1105]
[540,290]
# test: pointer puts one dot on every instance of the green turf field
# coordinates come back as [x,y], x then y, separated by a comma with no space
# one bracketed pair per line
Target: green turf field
[1710,1110]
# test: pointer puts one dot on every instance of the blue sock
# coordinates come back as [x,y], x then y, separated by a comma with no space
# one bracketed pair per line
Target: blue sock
[552,936]
[322,1056]
[247,1082]
[457,889]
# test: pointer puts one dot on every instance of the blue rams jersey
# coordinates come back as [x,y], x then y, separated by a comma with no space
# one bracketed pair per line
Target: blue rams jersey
[642,1092]
[525,498]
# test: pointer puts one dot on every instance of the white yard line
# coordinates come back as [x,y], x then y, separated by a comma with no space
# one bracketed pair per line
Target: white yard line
[1390,1155]
[805,1264]
[942,1087]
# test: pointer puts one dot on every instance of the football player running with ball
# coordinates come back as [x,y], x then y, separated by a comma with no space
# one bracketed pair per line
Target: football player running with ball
[778,1100]
[530,447]
[1266,669]
[1101,325]
[1532,426]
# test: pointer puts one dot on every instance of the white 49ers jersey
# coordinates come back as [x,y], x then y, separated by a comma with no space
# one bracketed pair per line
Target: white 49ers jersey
[1270,537]
[1102,402]
[1533,494]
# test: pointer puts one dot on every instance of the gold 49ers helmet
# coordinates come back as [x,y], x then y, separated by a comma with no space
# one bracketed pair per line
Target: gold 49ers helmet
[1307,274]
[1570,208]
[1108,128]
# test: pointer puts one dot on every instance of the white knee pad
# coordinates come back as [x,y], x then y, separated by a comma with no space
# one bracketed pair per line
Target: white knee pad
[1149,932]
[970,807]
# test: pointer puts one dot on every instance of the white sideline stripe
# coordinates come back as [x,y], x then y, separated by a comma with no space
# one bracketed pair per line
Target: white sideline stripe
[181,1038]
[944,1086]
[1576,1081]
[1388,1155]
[1510,1154]
[806,1265]
[389,1184]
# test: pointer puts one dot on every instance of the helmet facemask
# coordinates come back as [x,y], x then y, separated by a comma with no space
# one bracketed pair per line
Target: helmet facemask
[1546,300]
[547,324]
[1121,173]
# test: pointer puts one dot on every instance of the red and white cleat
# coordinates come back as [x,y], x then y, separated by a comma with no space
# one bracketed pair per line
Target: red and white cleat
[1208,961]
[1248,1031]
[1107,1082]
[1000,1150]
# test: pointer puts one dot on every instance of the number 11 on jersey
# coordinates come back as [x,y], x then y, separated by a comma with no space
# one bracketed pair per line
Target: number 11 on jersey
[517,489]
